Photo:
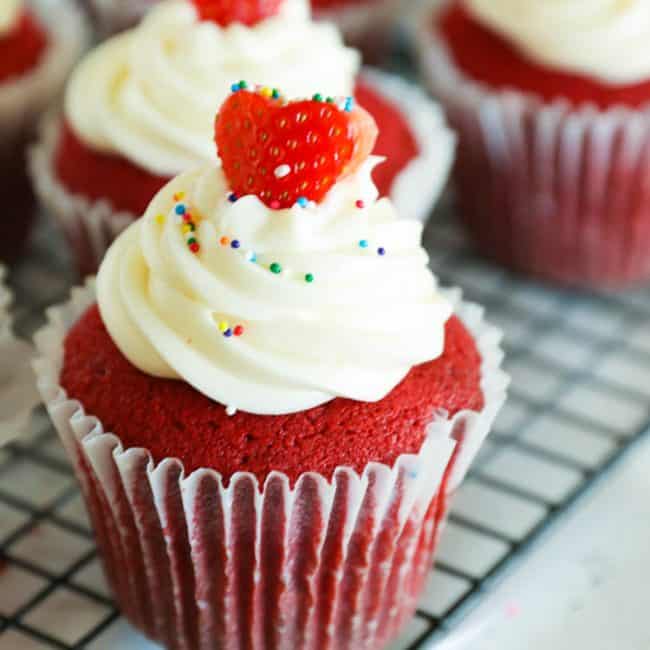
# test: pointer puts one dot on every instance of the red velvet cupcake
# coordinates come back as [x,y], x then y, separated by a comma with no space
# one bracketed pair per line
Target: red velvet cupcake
[551,106]
[35,55]
[282,448]
[126,132]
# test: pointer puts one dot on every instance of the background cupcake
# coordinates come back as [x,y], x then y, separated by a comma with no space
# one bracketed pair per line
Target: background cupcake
[128,124]
[551,105]
[278,468]
[37,50]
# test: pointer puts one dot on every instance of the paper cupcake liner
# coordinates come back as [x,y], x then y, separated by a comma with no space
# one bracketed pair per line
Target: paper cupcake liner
[198,564]
[22,101]
[17,387]
[544,188]
[418,187]
[89,226]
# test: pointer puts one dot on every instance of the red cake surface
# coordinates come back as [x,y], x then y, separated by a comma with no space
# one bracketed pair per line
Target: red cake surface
[171,419]
[22,48]
[98,175]
[485,56]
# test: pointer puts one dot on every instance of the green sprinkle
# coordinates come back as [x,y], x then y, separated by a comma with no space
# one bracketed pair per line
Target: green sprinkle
[330,100]
[275,268]
[309,278]
[191,241]
[317,97]
[275,94]
[243,85]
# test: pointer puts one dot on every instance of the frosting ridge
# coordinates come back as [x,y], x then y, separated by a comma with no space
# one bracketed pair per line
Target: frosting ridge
[273,311]
[608,40]
[150,93]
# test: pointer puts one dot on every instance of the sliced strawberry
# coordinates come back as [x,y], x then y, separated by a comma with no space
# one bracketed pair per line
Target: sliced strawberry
[246,12]
[282,152]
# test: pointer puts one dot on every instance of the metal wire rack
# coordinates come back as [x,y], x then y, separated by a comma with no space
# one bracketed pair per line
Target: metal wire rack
[581,390]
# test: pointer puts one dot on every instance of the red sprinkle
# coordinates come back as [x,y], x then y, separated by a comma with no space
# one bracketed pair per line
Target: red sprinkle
[195,248]
[239,330]
[360,204]
[187,217]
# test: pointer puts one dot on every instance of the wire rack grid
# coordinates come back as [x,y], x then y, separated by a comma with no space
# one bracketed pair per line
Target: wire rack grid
[580,397]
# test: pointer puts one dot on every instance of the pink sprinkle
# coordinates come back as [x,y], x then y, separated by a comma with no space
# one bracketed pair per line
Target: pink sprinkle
[275,205]
[360,204]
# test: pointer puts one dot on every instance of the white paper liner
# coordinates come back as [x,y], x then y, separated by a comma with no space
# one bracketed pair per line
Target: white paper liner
[301,567]
[418,187]
[89,226]
[546,188]
[18,394]
[23,100]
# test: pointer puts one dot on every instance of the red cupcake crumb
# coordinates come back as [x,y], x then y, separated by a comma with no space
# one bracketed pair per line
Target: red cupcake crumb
[97,175]
[22,48]
[487,57]
[130,188]
[171,419]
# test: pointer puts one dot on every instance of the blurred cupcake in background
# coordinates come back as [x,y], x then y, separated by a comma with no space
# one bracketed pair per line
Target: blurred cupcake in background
[370,25]
[267,452]
[37,49]
[552,105]
[139,110]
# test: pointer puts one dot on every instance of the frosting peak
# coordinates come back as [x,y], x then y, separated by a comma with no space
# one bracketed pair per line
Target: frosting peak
[10,11]
[150,94]
[273,311]
[605,39]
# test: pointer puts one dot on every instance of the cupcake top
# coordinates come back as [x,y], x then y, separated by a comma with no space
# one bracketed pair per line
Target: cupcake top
[265,302]
[149,94]
[608,40]
[10,11]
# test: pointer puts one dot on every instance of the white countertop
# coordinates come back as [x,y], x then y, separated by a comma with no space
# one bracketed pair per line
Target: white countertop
[586,585]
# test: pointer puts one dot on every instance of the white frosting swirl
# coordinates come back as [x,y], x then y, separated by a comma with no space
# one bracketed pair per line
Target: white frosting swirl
[10,11]
[151,94]
[605,39]
[354,332]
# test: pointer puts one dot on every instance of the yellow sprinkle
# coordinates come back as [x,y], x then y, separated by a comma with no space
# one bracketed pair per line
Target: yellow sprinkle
[186,228]
[266,92]
[223,326]
[179,196]
[160,219]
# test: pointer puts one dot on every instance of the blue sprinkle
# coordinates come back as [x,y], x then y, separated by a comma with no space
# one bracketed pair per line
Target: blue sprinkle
[363,243]
[232,197]
[235,88]
[349,104]
[302,201]
[180,209]
[228,333]
[235,243]
[381,251]
[413,474]
[251,257]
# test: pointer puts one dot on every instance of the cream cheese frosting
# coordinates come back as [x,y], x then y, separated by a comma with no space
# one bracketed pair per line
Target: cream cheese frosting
[10,11]
[608,40]
[150,94]
[273,311]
